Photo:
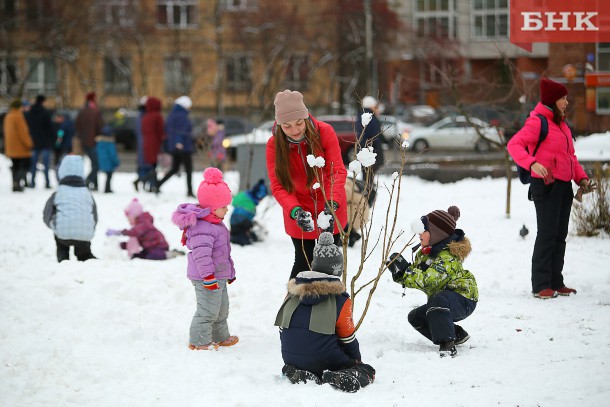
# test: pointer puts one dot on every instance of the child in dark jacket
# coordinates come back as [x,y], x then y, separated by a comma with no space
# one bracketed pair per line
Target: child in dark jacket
[316,326]
[145,240]
[210,267]
[437,271]
[244,210]
[71,211]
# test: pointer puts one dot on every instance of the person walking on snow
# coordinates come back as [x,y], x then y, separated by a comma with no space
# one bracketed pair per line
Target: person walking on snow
[179,130]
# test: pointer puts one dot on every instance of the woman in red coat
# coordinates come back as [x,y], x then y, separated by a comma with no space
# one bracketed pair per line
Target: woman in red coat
[553,168]
[302,190]
[153,134]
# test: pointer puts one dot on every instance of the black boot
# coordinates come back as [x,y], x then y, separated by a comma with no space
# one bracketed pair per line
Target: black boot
[350,380]
[353,238]
[108,178]
[461,335]
[298,375]
[447,349]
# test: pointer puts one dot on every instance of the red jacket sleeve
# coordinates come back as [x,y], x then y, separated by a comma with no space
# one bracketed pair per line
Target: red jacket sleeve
[526,137]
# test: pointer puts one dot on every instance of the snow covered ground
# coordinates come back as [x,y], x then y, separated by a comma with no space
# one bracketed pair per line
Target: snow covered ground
[114,332]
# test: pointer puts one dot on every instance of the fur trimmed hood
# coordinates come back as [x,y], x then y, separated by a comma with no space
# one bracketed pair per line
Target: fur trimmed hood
[187,214]
[309,286]
[460,249]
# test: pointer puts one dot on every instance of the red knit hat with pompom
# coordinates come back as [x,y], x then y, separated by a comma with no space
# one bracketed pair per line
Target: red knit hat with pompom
[441,224]
[213,192]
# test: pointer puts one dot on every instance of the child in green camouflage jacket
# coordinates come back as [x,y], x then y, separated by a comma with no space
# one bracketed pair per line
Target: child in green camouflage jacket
[437,271]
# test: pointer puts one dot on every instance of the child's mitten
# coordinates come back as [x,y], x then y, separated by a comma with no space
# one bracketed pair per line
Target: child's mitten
[210,283]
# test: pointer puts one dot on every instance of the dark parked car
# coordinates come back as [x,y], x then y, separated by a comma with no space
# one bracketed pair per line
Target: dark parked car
[344,126]
[123,124]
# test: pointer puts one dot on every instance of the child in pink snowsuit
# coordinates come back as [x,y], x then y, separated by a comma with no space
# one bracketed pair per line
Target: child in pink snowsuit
[145,240]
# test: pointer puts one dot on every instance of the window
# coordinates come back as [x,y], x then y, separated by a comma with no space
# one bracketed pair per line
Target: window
[602,101]
[237,71]
[435,18]
[119,13]
[8,12]
[490,19]
[42,77]
[8,76]
[297,71]
[177,75]
[177,13]
[117,75]
[37,11]
[240,5]
[603,56]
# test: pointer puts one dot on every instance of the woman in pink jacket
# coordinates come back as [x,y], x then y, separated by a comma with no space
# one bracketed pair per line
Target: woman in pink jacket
[293,180]
[552,168]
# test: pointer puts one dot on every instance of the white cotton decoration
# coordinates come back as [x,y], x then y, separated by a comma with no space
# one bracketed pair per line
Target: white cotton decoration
[405,144]
[315,161]
[355,167]
[365,119]
[324,220]
[417,226]
[395,175]
[366,157]
[316,185]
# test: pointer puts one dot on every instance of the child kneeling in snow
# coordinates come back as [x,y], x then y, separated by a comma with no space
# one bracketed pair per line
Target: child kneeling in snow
[316,327]
[145,240]
[210,267]
[244,204]
[437,271]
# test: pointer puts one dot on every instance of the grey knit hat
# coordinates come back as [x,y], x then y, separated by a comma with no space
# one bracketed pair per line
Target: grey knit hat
[289,106]
[327,257]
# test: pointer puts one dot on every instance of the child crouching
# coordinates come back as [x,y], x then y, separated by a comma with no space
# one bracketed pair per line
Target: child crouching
[210,267]
[437,271]
[145,240]
[244,210]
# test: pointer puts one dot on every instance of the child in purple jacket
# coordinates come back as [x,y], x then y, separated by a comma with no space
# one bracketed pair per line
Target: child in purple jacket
[145,240]
[210,267]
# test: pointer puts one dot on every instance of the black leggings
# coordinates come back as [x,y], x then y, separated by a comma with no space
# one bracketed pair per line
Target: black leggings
[181,157]
[303,254]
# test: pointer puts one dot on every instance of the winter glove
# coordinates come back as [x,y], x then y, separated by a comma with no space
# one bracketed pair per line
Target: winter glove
[304,219]
[210,283]
[328,211]
[113,232]
[232,279]
[398,267]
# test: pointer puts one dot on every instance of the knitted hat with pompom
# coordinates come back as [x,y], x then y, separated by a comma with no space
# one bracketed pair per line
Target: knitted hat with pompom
[134,209]
[327,257]
[441,224]
[213,192]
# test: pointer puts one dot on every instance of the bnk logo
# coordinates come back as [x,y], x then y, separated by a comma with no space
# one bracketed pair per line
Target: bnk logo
[558,21]
[562,21]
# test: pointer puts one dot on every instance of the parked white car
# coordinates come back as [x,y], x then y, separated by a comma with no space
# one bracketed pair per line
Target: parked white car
[259,135]
[395,131]
[455,133]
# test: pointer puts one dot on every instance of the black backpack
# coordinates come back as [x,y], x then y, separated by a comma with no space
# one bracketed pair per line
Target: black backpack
[525,176]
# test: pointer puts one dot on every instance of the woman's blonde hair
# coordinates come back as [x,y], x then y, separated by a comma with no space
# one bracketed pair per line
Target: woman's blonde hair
[282,154]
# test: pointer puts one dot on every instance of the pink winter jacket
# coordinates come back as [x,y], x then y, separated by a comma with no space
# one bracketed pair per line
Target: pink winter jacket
[556,152]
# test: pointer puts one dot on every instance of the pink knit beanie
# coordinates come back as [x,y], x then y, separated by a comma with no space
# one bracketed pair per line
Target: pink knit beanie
[212,126]
[134,209]
[289,106]
[213,192]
